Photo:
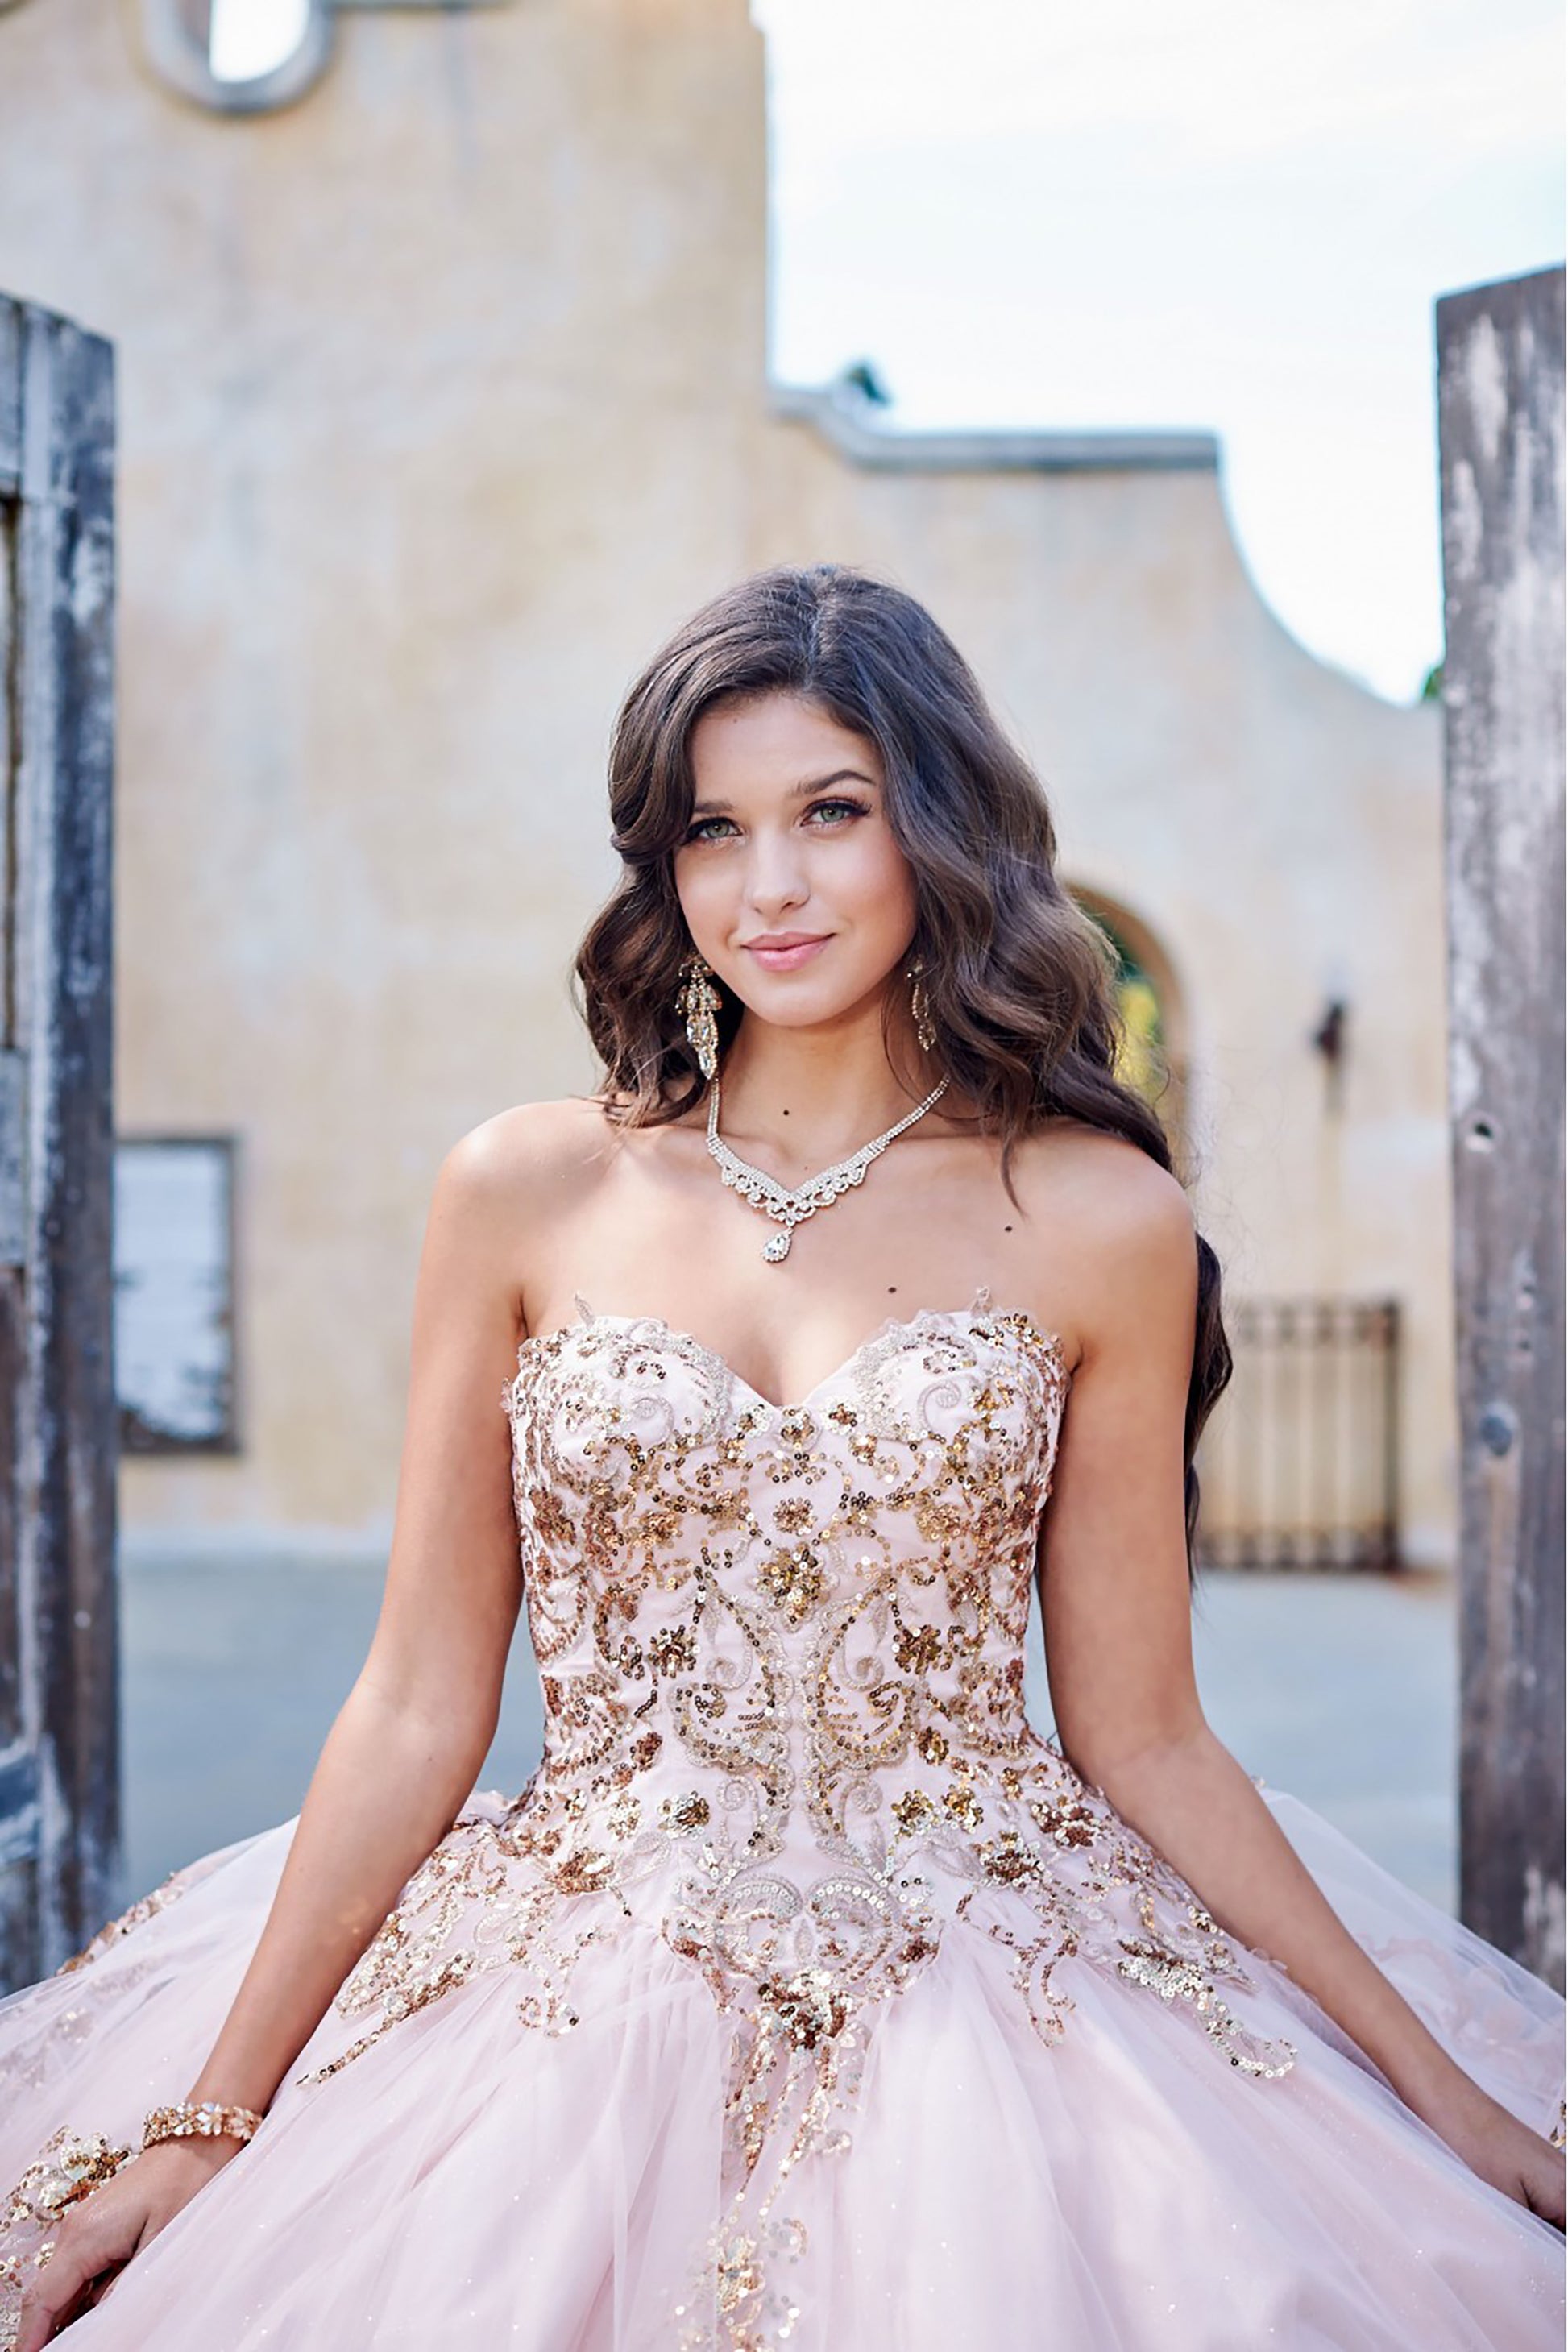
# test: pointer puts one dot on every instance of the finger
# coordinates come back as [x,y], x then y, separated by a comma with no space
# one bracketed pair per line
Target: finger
[40,2313]
[43,2316]
[1543,2193]
[104,2284]
[57,2296]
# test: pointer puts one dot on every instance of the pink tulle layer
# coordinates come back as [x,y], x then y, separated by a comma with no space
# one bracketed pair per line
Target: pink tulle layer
[473,2183]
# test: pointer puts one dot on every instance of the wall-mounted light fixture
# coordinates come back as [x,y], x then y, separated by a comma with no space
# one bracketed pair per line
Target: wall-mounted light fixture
[1330,1039]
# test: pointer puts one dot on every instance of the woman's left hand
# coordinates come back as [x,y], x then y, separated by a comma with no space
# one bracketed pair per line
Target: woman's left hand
[1504,2151]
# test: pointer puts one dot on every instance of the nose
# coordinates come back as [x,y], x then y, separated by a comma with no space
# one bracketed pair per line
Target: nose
[776,875]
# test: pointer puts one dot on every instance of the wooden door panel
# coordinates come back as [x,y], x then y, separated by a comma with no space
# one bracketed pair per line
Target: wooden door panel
[59,1681]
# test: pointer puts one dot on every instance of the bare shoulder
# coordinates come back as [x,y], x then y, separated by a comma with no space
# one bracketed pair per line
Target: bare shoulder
[528,1158]
[1111,1189]
[1110,1222]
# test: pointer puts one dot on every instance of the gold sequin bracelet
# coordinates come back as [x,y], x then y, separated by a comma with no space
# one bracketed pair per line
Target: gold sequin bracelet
[204,2120]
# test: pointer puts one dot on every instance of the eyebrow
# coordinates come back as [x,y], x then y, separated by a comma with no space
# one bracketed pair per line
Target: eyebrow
[800,792]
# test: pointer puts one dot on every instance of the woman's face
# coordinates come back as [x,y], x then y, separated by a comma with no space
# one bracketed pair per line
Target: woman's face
[793,887]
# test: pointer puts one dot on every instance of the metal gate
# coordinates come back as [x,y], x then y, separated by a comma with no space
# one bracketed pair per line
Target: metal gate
[1300,1465]
[58,1705]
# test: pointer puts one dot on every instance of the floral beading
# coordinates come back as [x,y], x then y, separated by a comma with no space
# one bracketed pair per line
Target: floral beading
[781,1650]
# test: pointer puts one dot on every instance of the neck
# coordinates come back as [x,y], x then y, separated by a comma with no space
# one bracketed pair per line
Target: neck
[818,1094]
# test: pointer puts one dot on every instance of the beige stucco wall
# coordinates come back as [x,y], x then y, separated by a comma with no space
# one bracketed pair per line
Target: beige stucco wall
[1277,827]
[443,395]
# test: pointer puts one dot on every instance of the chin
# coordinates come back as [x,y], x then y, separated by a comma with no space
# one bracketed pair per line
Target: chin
[821,1010]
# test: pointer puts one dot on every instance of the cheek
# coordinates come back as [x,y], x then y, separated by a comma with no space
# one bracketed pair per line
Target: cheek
[879,881]
[699,886]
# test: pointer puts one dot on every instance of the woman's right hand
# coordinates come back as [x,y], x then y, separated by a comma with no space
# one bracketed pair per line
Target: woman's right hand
[98,2237]
[414,1731]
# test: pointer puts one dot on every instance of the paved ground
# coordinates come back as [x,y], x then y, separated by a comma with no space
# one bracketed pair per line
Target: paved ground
[1340,1688]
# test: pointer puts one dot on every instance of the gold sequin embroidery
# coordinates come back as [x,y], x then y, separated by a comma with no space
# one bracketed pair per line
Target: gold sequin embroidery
[781,1652]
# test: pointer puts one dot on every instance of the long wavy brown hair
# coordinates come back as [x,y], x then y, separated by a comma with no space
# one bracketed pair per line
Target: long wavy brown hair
[1020,981]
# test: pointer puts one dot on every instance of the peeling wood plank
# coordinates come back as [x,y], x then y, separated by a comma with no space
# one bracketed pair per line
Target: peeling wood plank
[58,1683]
[1501,385]
[10,397]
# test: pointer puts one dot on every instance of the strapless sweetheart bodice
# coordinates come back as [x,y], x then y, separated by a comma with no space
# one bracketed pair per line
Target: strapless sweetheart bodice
[800,1626]
[781,1649]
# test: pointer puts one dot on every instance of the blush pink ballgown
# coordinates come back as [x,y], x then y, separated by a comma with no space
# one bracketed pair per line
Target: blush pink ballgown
[806,1998]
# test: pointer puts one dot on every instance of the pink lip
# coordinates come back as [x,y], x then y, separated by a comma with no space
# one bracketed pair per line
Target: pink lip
[785,951]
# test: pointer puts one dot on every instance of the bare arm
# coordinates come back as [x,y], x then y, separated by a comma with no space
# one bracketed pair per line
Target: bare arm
[410,1736]
[1114,1596]
[415,1728]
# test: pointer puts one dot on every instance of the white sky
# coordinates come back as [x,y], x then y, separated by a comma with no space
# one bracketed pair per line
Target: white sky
[1224,215]
[1228,213]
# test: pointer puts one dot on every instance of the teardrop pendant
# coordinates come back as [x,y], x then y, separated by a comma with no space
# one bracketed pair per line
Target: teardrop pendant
[778,1247]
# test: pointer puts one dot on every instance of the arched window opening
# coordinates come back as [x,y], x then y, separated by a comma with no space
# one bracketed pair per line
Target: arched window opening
[248,39]
[238,56]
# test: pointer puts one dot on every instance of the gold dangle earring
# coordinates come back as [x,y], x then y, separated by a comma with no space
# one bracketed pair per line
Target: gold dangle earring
[697,1005]
[920,1005]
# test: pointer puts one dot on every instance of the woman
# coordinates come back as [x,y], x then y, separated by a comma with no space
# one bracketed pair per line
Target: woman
[805,1997]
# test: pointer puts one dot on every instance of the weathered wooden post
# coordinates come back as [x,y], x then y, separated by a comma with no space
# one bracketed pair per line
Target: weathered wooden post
[59,1710]
[1499,397]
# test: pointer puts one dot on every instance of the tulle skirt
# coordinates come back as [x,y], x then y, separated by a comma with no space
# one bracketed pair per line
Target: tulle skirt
[473,2182]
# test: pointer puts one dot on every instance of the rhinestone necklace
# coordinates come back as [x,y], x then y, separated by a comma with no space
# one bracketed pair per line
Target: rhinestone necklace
[789,1208]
